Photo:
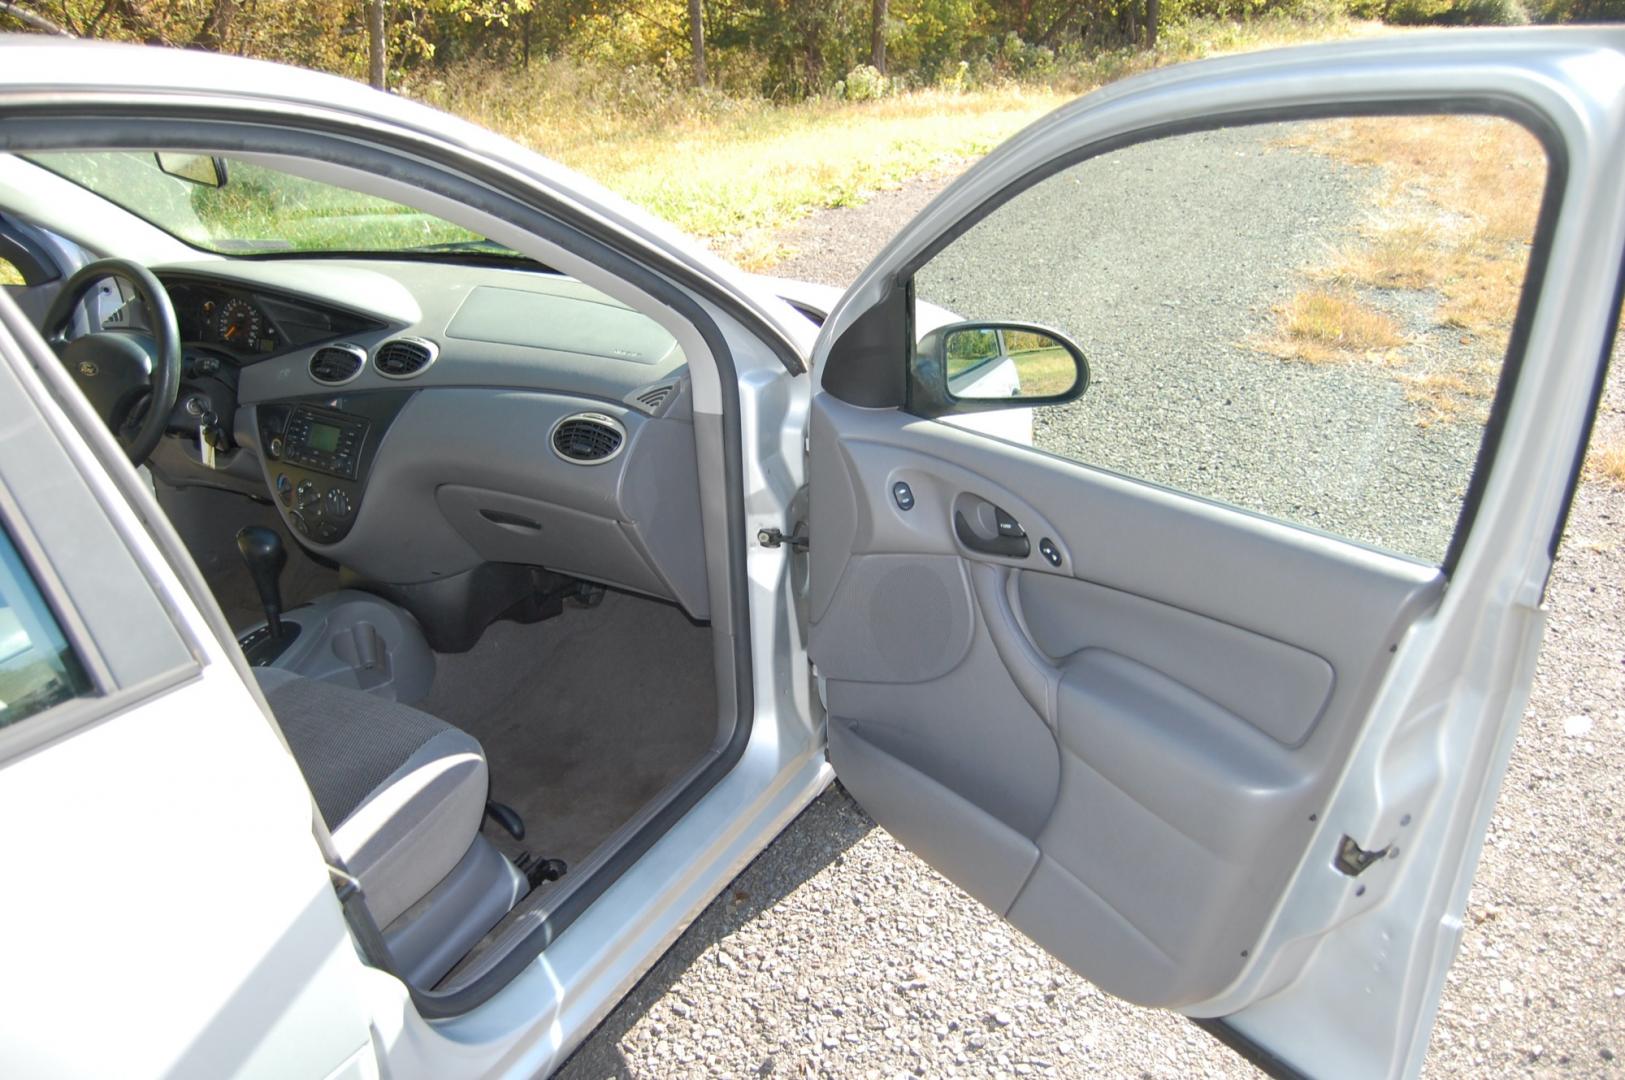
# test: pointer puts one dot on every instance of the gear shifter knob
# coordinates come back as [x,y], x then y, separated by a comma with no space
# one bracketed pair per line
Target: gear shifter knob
[262,550]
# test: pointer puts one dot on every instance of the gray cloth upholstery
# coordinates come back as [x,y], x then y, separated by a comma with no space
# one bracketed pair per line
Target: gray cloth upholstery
[403,792]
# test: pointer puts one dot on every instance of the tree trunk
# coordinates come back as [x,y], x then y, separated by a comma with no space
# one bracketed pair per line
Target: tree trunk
[696,40]
[877,36]
[1153,13]
[375,43]
[212,34]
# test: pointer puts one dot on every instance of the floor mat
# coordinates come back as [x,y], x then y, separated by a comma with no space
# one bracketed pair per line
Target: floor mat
[584,718]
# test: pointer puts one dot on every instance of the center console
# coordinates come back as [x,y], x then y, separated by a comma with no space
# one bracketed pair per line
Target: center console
[317,455]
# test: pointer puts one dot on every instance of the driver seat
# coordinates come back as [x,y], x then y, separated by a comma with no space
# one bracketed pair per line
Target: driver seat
[404,794]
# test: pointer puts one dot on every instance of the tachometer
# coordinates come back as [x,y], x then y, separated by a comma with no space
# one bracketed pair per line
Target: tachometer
[239,325]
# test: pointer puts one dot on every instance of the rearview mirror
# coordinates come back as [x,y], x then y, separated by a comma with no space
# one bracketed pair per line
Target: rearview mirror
[975,366]
[200,169]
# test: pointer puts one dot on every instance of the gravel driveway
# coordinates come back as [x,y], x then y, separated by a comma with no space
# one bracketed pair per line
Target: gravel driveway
[837,953]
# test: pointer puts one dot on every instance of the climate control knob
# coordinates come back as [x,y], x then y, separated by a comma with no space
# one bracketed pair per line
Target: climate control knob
[338,503]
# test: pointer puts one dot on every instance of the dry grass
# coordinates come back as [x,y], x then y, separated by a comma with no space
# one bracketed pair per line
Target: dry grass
[9,275]
[1319,326]
[1453,212]
[1606,461]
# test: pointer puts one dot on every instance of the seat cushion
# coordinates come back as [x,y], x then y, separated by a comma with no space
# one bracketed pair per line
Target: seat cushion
[403,792]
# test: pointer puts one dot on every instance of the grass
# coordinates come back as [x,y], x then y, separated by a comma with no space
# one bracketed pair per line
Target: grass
[1606,461]
[9,274]
[735,171]
[1321,326]
[1453,212]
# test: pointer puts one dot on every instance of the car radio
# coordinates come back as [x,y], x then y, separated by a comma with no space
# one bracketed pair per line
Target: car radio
[326,441]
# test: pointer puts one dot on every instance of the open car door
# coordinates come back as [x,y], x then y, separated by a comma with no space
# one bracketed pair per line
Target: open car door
[1210,689]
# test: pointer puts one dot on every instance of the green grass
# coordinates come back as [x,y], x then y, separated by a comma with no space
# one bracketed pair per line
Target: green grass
[734,171]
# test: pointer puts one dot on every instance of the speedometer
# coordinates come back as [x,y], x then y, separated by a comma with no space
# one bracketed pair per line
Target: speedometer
[239,325]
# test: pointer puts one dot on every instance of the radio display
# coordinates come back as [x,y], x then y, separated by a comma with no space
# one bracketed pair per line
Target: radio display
[323,437]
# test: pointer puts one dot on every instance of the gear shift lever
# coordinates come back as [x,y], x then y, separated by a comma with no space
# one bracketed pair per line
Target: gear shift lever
[263,552]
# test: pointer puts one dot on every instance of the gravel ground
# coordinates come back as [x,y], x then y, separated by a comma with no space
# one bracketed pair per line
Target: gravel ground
[837,953]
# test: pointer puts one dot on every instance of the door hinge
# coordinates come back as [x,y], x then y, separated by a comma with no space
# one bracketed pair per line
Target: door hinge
[1352,859]
[772,538]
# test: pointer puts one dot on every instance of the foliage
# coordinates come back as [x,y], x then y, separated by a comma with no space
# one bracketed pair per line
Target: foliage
[779,49]
[1457,12]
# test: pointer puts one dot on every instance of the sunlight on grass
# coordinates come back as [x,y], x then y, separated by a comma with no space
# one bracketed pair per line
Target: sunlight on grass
[734,171]
[9,274]
[1606,461]
[1318,326]
[1453,213]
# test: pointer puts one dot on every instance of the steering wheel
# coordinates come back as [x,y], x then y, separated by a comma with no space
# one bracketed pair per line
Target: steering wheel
[130,377]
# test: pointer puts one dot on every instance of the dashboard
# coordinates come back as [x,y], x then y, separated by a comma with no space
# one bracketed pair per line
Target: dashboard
[249,325]
[424,425]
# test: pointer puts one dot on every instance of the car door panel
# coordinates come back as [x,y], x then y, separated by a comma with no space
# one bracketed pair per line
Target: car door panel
[1124,755]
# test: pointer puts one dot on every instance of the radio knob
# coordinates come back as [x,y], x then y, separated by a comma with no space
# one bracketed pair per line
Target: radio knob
[275,449]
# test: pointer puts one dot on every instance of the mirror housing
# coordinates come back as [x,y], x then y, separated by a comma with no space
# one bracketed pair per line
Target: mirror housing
[966,367]
[202,169]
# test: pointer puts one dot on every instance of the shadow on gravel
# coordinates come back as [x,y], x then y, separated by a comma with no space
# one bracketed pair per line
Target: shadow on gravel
[820,836]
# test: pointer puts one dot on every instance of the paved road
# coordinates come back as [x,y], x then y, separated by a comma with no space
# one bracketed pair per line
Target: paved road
[838,953]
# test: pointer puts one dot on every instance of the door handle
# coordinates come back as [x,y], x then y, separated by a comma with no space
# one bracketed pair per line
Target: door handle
[1010,543]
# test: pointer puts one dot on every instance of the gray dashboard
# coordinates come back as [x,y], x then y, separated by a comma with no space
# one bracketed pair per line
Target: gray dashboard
[468,460]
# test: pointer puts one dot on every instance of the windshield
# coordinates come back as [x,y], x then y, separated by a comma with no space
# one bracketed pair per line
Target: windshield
[259,210]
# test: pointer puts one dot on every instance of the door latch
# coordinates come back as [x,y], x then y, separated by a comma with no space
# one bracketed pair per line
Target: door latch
[772,538]
[1352,859]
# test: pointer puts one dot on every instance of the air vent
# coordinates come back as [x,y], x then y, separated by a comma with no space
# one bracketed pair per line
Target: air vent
[588,438]
[404,357]
[651,398]
[335,365]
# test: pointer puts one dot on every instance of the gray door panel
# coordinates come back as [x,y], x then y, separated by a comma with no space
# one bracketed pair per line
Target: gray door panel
[1121,754]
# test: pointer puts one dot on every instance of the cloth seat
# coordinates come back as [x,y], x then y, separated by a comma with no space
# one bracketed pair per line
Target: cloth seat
[403,792]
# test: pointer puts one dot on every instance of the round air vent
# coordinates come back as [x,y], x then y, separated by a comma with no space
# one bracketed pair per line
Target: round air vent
[588,438]
[335,365]
[404,357]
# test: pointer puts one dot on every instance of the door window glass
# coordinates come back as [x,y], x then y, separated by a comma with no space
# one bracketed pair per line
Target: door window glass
[38,668]
[1306,320]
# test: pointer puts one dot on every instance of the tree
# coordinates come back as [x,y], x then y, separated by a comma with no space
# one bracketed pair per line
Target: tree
[696,40]
[877,35]
[216,26]
[375,43]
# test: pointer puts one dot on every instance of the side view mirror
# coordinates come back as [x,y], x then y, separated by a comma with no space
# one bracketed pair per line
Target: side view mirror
[202,169]
[976,366]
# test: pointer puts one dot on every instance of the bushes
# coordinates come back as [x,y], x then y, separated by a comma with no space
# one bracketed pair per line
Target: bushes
[1456,13]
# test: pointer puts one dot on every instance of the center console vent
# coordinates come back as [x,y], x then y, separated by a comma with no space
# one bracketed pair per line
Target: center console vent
[588,438]
[335,365]
[404,357]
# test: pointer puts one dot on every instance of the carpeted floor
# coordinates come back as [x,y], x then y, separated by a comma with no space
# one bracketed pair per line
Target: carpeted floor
[584,718]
